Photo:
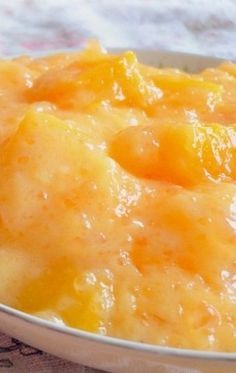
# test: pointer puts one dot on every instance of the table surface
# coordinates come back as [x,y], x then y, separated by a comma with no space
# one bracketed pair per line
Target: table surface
[183,25]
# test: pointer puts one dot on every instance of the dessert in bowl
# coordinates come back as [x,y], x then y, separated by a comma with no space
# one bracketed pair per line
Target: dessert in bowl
[118,197]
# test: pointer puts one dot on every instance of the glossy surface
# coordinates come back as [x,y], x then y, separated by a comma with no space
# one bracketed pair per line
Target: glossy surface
[118,198]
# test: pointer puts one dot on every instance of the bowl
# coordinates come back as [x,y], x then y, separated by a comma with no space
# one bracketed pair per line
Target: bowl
[107,353]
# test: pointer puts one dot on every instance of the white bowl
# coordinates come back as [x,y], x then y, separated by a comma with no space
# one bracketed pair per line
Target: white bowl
[111,354]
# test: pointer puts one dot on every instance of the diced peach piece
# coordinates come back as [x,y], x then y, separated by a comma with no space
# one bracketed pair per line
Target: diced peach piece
[14,76]
[116,79]
[15,267]
[182,154]
[170,81]
[83,301]
[93,301]
[229,67]
[48,183]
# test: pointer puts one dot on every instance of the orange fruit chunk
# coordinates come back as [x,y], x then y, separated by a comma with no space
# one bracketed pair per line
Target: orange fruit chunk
[181,154]
[116,79]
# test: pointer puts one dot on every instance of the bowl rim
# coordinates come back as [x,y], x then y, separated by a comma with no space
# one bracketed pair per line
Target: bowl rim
[116,50]
[107,340]
[118,342]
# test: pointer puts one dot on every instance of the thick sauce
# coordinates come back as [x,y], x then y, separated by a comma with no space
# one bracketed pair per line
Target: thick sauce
[118,197]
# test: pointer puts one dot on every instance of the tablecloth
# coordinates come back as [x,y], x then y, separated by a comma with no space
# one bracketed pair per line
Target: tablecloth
[200,26]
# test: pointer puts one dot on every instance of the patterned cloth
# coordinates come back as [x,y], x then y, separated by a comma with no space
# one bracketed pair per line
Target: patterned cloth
[17,357]
[184,25]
